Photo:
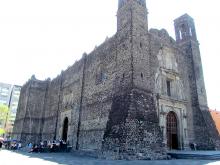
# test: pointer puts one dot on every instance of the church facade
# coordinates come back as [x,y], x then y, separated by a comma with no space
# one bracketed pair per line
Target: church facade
[137,95]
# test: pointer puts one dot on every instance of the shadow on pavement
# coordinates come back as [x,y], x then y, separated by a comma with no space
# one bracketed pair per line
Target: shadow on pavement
[72,159]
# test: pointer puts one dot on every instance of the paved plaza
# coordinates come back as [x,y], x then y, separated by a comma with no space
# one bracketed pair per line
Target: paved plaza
[11,158]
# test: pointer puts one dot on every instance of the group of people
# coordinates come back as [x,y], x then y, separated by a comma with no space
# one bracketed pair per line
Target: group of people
[12,145]
[44,146]
[48,146]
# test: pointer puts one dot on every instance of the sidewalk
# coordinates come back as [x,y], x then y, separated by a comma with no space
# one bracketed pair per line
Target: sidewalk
[18,157]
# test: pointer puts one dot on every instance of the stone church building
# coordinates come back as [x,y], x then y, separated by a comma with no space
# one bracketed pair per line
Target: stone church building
[137,95]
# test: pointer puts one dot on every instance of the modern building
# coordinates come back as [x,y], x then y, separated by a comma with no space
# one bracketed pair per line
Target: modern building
[216,117]
[13,105]
[5,93]
[9,96]
[137,95]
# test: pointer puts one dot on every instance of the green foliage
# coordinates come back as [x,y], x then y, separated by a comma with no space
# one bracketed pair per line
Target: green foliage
[3,113]
[2,131]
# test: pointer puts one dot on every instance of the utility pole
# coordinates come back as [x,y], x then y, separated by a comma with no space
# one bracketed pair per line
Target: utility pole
[7,115]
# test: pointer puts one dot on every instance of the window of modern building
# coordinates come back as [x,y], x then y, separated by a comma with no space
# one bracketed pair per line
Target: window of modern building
[3,102]
[4,94]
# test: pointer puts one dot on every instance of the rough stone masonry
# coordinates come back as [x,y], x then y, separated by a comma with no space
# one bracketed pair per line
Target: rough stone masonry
[137,95]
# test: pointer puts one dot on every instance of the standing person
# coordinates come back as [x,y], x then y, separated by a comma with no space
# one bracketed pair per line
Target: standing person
[0,144]
[19,145]
[30,147]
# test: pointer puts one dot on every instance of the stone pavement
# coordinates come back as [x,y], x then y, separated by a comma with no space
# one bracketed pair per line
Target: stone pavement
[11,158]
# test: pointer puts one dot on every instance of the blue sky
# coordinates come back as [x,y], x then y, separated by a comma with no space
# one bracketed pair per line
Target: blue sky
[44,37]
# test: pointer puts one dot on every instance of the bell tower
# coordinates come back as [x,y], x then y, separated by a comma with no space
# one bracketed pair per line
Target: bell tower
[121,3]
[185,28]
[187,40]
[201,120]
[132,13]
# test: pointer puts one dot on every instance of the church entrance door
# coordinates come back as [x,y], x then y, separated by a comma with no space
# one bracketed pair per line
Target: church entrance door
[172,131]
[65,129]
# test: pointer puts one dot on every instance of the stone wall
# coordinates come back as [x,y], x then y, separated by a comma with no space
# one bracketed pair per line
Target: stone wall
[18,125]
[97,94]
[51,112]
[133,128]
[31,111]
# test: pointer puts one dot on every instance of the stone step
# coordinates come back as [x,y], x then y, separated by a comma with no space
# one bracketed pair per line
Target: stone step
[86,153]
[201,155]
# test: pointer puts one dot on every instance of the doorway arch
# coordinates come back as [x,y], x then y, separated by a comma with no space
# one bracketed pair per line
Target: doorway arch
[172,131]
[65,129]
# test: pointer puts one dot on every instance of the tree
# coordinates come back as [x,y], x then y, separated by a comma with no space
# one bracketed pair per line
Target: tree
[4,113]
[2,131]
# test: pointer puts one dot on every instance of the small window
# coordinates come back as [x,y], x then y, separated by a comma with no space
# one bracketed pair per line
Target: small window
[183,27]
[141,45]
[202,90]
[100,78]
[168,87]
